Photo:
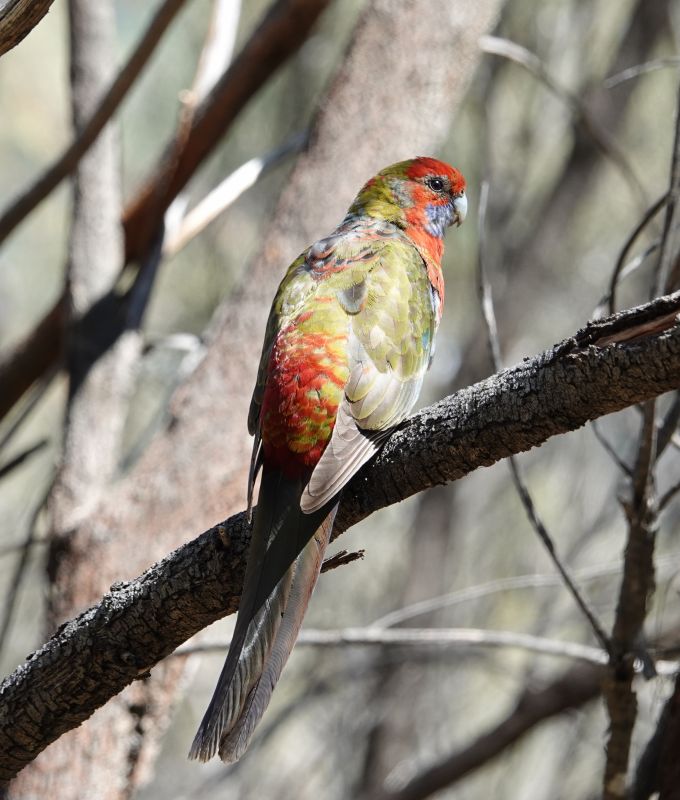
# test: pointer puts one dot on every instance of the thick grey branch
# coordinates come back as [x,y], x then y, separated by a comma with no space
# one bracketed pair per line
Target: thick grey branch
[608,366]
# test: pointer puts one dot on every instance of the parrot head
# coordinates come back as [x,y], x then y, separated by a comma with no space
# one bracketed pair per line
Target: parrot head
[423,196]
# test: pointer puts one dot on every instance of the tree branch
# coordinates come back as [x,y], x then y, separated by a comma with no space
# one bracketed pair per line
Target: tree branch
[280,34]
[93,657]
[64,165]
[573,689]
[17,20]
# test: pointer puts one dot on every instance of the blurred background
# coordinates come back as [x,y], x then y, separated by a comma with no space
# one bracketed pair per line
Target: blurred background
[575,143]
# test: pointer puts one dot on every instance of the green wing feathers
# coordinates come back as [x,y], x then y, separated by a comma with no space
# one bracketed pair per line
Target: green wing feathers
[391,330]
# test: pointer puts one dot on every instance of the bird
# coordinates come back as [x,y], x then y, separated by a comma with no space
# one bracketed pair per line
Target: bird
[350,335]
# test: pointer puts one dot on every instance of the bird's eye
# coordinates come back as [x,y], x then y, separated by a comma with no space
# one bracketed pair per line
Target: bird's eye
[436,184]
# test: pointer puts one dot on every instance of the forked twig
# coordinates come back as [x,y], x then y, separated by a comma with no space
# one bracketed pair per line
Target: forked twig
[486,301]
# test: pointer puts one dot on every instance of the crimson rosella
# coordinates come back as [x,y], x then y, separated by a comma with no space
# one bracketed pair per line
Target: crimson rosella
[349,338]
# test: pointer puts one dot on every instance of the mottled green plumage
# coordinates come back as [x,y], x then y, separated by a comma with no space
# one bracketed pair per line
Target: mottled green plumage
[349,338]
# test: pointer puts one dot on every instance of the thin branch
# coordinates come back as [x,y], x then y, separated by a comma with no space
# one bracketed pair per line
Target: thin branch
[668,496]
[227,193]
[283,30]
[341,559]
[34,356]
[22,206]
[218,47]
[36,394]
[628,269]
[532,63]
[573,689]
[640,69]
[529,581]
[669,250]
[216,54]
[637,584]
[648,216]
[609,449]
[93,657]
[462,638]
[18,460]
[12,591]
[486,301]
[668,427]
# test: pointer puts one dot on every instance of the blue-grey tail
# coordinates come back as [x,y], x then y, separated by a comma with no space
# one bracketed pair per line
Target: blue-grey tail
[286,553]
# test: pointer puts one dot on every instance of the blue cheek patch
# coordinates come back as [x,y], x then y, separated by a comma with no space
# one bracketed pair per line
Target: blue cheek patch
[438,219]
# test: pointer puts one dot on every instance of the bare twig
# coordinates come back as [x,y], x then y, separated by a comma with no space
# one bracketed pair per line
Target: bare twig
[18,460]
[216,53]
[12,592]
[665,431]
[429,637]
[340,559]
[486,301]
[667,267]
[456,638]
[36,394]
[640,69]
[228,191]
[530,581]
[629,268]
[218,48]
[609,448]
[34,356]
[532,63]
[22,206]
[668,495]
[281,32]
[651,212]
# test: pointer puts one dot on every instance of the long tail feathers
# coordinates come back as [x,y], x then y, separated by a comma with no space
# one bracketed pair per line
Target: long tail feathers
[266,630]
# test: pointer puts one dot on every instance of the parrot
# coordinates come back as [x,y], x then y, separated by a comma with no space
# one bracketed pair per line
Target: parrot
[350,335]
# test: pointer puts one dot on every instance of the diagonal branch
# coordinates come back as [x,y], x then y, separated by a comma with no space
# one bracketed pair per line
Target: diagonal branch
[17,20]
[280,34]
[93,657]
[106,108]
[571,690]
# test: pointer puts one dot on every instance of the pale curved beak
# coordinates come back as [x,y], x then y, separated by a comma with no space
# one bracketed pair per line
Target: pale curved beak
[460,206]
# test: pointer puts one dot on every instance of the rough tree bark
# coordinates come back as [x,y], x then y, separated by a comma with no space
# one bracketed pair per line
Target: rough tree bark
[17,20]
[608,366]
[365,123]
